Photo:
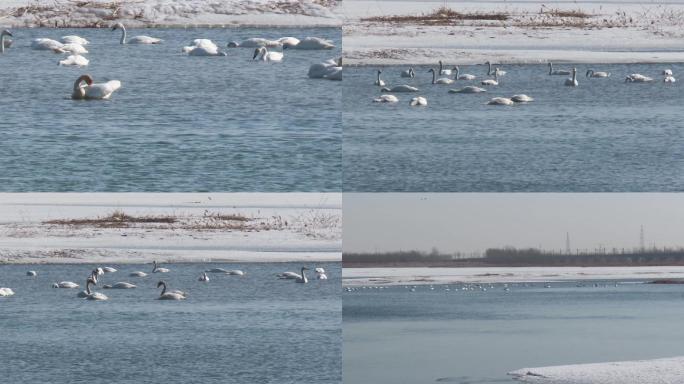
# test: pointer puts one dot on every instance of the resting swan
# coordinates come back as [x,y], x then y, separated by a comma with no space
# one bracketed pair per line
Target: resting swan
[468,89]
[408,73]
[90,91]
[379,82]
[419,101]
[400,88]
[638,78]
[465,76]
[386,99]
[175,295]
[263,54]
[203,47]
[311,43]
[4,43]
[302,278]
[43,44]
[500,101]
[74,39]
[203,277]
[5,292]
[521,98]
[137,274]
[320,274]
[65,284]
[572,81]
[441,80]
[669,79]
[32,273]
[75,60]
[288,275]
[592,73]
[120,285]
[157,269]
[330,69]
[557,71]
[255,42]
[136,39]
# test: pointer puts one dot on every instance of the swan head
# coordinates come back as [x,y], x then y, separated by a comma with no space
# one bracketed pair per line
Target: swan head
[431,70]
[257,52]
[161,283]
[117,26]
[379,71]
[6,33]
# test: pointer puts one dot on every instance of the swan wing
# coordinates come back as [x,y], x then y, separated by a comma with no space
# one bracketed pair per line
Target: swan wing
[102,90]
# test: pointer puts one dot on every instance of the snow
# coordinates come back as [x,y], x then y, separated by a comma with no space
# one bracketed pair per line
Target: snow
[416,276]
[277,228]
[616,33]
[659,371]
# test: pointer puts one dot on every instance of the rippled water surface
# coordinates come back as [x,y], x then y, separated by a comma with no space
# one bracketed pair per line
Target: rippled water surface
[604,135]
[178,123]
[251,329]
[394,335]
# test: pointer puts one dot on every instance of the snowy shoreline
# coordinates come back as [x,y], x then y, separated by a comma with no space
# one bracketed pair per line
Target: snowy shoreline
[126,228]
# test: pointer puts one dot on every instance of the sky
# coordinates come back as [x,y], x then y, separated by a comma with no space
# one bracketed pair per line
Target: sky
[467,222]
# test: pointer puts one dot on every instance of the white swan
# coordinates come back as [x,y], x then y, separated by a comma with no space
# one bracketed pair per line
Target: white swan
[263,54]
[98,272]
[441,80]
[174,295]
[419,101]
[408,73]
[136,39]
[5,292]
[93,278]
[302,278]
[329,69]
[379,82]
[255,42]
[43,44]
[93,295]
[137,274]
[468,89]
[400,88]
[226,271]
[76,49]
[386,99]
[465,76]
[91,91]
[311,43]
[75,60]
[638,78]
[3,41]
[288,41]
[120,285]
[320,273]
[500,101]
[108,269]
[31,273]
[443,71]
[497,70]
[572,81]
[288,275]
[157,269]
[73,39]
[667,72]
[599,74]
[203,277]
[521,98]
[494,81]
[669,79]
[65,284]
[203,47]
[557,71]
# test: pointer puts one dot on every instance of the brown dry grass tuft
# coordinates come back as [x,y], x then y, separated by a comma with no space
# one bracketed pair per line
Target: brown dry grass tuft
[440,16]
[117,219]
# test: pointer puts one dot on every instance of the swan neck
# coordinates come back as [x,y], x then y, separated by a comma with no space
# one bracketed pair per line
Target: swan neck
[123,34]
[2,43]
[489,70]
[163,289]
[434,75]
[88,286]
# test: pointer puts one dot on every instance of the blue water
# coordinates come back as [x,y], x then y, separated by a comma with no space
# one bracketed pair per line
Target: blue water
[604,135]
[251,329]
[474,337]
[178,123]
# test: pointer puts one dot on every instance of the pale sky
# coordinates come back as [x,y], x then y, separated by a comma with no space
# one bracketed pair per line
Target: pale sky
[474,222]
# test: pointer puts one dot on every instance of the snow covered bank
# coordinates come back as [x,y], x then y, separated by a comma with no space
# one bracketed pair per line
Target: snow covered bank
[135,13]
[136,228]
[416,276]
[659,371]
[532,32]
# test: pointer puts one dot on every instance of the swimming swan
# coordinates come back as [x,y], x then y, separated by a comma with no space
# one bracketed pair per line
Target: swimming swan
[521,98]
[120,285]
[465,76]
[557,71]
[468,89]
[65,284]
[329,69]
[203,277]
[320,274]
[90,91]
[494,81]
[136,39]
[497,70]
[256,42]
[408,73]
[3,41]
[443,71]
[669,79]
[5,292]
[667,72]
[137,274]
[93,277]
[108,269]
[93,295]
[441,80]
[572,81]
[73,39]
[311,43]
[156,269]
[400,88]
[75,60]
[379,82]
[288,276]
[203,47]
[175,295]
[263,54]
[638,78]
[43,44]
[302,278]
[31,273]
[500,101]
[386,99]
[419,101]
[76,49]
[288,41]
[235,272]
[592,73]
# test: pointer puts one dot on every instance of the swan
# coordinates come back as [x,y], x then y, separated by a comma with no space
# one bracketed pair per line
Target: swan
[400,88]
[311,43]
[408,73]
[328,69]
[226,271]
[494,81]
[175,295]
[288,41]
[65,284]
[203,277]
[302,278]
[120,285]
[137,274]
[288,276]
[669,79]
[443,71]
[379,82]
[638,78]
[135,39]
[497,70]
[93,278]
[74,60]
[156,269]
[4,292]
[572,81]
[94,295]
[255,42]
[465,76]
[43,44]
[90,91]
[557,71]
[203,47]
[418,101]
[441,80]
[321,276]
[468,89]
[592,73]
[98,271]
[108,269]
[4,43]
[386,99]
[500,101]
[236,272]
[31,273]
[74,39]
[667,72]
[263,54]
[521,98]
[76,49]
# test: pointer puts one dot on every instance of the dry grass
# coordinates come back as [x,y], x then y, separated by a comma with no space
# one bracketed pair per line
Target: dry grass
[440,16]
[117,219]
[567,13]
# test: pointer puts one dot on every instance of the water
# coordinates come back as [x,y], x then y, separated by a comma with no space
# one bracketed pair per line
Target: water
[178,123]
[604,135]
[473,337]
[251,329]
